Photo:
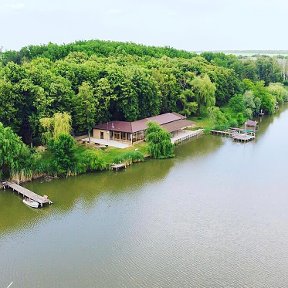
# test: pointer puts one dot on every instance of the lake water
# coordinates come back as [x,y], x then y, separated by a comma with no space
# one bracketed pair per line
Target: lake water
[214,216]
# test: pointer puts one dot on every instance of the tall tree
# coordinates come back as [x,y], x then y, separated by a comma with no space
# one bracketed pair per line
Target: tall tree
[204,91]
[85,108]
[63,152]
[13,152]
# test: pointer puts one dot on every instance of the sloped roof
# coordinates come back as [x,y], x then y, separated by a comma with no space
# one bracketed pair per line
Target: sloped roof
[251,123]
[119,126]
[177,125]
[139,125]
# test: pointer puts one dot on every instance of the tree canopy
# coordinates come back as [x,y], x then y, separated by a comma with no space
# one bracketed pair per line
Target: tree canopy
[97,81]
[159,141]
[13,152]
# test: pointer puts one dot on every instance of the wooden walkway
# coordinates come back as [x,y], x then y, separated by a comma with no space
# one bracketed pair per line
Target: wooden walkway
[237,134]
[185,135]
[42,200]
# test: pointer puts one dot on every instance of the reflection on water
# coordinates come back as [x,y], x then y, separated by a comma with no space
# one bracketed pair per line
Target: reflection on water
[214,216]
[87,188]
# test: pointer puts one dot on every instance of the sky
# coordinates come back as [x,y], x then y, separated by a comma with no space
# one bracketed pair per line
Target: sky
[193,25]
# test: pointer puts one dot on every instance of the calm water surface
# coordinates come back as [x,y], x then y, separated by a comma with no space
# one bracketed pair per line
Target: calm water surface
[214,216]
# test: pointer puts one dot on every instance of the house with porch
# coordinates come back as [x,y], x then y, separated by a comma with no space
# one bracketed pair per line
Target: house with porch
[131,132]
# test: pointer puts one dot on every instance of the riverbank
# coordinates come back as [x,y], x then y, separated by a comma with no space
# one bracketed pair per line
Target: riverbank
[89,159]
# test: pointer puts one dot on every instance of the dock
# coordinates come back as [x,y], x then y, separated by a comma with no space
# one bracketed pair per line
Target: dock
[226,133]
[237,134]
[42,200]
[239,137]
[119,166]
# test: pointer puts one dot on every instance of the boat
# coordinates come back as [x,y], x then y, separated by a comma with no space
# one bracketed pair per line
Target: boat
[31,203]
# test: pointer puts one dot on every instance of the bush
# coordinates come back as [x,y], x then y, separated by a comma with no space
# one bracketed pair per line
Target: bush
[130,157]
[62,150]
[88,160]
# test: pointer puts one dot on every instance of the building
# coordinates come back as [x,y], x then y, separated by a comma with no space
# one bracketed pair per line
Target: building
[131,132]
[251,124]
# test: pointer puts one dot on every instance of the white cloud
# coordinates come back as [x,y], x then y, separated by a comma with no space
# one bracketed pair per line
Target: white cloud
[15,6]
[114,12]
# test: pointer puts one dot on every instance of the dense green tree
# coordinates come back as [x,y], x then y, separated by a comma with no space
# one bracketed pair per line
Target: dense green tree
[268,101]
[55,126]
[279,91]
[268,70]
[237,104]
[187,103]
[128,81]
[204,91]
[63,152]
[13,152]
[218,118]
[159,142]
[9,105]
[147,94]
[85,108]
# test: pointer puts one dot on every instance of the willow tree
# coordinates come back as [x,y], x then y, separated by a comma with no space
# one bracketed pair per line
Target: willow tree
[204,91]
[54,126]
[13,152]
[159,142]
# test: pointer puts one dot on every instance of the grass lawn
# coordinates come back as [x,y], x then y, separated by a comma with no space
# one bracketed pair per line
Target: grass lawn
[110,153]
[202,122]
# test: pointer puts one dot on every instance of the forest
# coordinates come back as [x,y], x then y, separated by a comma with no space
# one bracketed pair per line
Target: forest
[97,81]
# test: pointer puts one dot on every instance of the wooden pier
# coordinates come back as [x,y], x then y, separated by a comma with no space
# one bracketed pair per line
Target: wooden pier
[119,166]
[239,137]
[226,133]
[42,200]
[237,134]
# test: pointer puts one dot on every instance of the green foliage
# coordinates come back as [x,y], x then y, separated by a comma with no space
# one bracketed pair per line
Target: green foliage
[268,100]
[122,81]
[88,160]
[85,108]
[99,81]
[159,142]
[92,47]
[204,91]
[220,121]
[14,154]
[279,92]
[237,104]
[268,70]
[55,126]
[62,150]
[129,157]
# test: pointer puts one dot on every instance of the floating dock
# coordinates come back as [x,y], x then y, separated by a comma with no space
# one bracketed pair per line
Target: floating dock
[42,200]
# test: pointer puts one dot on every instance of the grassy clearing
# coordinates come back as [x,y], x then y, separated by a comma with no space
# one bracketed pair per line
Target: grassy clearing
[111,155]
[202,123]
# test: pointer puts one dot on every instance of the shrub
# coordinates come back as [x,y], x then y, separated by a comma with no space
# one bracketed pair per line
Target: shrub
[130,157]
